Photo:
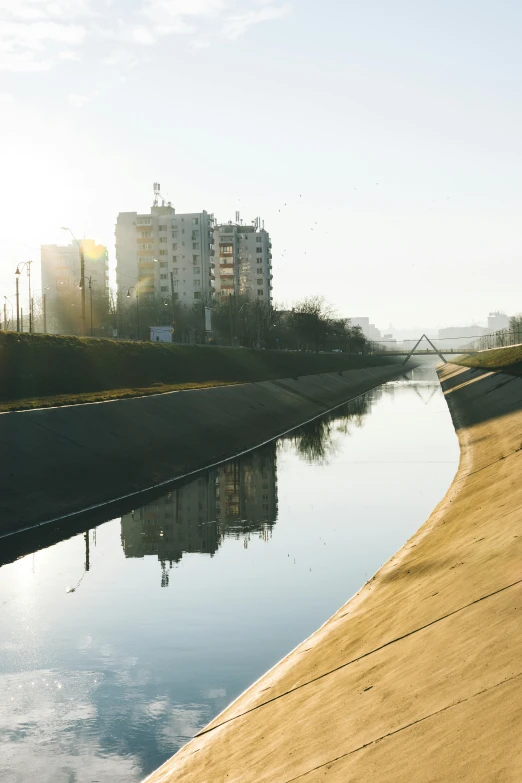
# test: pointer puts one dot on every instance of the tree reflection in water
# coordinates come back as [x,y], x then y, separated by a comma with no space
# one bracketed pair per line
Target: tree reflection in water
[316,442]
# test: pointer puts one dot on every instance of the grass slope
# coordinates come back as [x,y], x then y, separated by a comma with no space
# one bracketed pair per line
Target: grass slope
[508,360]
[45,370]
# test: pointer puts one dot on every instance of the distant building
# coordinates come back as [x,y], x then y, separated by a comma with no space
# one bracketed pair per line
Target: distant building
[459,336]
[165,253]
[60,265]
[369,330]
[374,333]
[243,261]
[497,321]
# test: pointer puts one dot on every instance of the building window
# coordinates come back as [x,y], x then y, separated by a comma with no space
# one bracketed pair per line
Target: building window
[258,249]
[163,252]
[195,221]
[175,283]
[260,292]
[195,259]
[195,246]
[164,277]
[145,247]
[260,281]
[163,240]
[163,263]
[163,228]
[174,271]
[195,235]
[226,250]
[174,258]
[259,270]
[259,239]
[164,288]
[197,270]
[197,283]
[174,245]
[197,294]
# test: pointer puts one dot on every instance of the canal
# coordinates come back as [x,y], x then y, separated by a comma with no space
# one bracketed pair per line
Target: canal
[120,642]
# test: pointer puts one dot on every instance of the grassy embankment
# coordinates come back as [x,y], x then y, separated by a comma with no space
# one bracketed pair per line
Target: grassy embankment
[508,360]
[39,371]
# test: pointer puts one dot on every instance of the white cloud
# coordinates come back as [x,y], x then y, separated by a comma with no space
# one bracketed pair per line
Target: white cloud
[238,24]
[79,101]
[6,98]
[35,35]
[198,43]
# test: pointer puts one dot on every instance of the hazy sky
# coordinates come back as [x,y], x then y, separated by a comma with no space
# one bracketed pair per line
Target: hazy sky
[381,142]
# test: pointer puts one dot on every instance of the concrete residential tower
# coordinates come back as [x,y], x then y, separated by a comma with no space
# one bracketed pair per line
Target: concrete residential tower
[243,260]
[165,253]
[60,266]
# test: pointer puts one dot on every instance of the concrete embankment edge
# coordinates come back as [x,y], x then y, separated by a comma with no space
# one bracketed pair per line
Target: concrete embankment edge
[419,676]
[61,461]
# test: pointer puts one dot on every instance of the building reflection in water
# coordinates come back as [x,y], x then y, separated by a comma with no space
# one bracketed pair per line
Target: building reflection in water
[237,499]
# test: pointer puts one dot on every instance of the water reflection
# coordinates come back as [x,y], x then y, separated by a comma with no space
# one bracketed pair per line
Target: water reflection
[316,442]
[235,499]
[105,674]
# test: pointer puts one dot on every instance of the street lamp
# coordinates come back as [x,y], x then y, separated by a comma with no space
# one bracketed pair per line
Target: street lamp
[17,274]
[82,276]
[135,289]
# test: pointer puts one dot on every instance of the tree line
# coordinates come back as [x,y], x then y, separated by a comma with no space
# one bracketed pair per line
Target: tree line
[309,325]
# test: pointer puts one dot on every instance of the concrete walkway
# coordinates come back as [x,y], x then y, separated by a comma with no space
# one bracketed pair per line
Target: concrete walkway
[419,677]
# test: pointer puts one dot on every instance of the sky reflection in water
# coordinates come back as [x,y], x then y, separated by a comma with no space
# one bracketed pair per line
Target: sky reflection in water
[106,672]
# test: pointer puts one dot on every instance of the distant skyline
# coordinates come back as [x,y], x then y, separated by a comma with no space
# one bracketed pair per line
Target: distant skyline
[379,142]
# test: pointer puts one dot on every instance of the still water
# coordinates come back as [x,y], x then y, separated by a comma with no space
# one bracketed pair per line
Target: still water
[119,644]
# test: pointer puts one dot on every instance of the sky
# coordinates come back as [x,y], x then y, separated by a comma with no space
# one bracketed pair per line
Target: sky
[380,142]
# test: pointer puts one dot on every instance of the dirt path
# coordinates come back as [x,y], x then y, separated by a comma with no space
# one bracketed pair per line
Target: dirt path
[419,676]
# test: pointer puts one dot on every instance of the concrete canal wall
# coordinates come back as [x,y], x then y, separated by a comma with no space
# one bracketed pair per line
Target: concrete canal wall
[60,461]
[419,676]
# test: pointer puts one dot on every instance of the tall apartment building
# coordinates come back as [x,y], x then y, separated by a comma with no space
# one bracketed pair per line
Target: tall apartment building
[60,266]
[164,253]
[243,261]
[497,321]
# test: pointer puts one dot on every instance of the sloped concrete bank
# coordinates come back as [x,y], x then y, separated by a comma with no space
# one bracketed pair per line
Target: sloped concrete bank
[60,461]
[419,676]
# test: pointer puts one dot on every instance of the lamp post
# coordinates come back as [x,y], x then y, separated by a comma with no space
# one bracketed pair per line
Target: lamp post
[17,306]
[135,289]
[18,272]
[82,277]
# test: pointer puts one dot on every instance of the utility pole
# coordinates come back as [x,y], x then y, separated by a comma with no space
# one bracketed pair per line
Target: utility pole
[21,320]
[30,298]
[90,297]
[44,313]
[17,306]
[82,279]
[231,319]
[5,316]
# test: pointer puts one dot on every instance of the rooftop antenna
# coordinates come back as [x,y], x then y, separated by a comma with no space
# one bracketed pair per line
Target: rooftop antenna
[237,216]
[157,194]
